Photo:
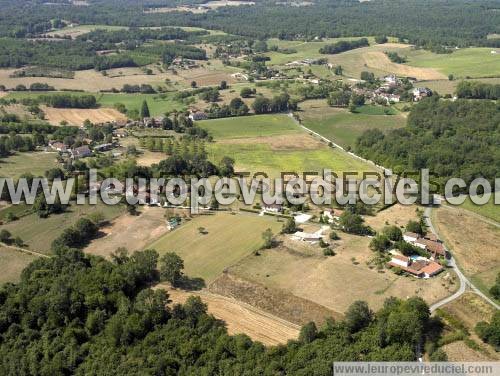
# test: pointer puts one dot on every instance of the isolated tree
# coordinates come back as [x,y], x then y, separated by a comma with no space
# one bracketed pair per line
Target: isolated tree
[308,332]
[358,316]
[171,267]
[414,226]
[394,233]
[5,236]
[223,85]
[267,236]
[145,110]
[289,227]
[246,92]
[193,84]
[380,243]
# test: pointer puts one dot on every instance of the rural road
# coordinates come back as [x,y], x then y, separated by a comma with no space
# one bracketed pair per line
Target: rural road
[464,282]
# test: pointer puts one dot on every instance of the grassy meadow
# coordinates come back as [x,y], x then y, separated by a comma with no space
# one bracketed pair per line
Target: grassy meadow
[22,163]
[490,210]
[462,63]
[38,234]
[12,263]
[305,50]
[344,127]
[158,103]
[228,239]
[274,144]
[250,126]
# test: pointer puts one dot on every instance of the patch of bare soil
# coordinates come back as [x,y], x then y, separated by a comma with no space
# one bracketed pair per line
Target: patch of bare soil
[76,116]
[278,302]
[243,318]
[131,232]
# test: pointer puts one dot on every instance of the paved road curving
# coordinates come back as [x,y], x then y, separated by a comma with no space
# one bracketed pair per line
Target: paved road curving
[464,282]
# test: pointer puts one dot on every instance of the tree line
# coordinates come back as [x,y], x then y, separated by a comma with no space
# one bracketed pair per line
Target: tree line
[343,45]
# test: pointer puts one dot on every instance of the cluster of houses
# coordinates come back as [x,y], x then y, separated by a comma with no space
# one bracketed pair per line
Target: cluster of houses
[182,63]
[388,91]
[82,151]
[418,266]
[302,63]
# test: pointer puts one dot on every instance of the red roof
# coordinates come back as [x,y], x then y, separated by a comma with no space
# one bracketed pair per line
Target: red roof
[401,258]
[432,268]
[433,246]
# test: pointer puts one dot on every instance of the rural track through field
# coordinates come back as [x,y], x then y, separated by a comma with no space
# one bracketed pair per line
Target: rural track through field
[334,144]
[33,253]
[464,281]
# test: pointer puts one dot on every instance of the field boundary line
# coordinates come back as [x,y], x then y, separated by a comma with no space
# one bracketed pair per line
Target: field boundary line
[249,307]
[33,253]
[299,123]
[476,215]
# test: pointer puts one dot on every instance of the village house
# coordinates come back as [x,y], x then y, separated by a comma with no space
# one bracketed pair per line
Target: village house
[410,237]
[391,80]
[198,115]
[420,93]
[103,147]
[390,98]
[307,237]
[420,268]
[332,214]
[240,76]
[58,146]
[80,152]
[429,243]
[120,133]
[273,208]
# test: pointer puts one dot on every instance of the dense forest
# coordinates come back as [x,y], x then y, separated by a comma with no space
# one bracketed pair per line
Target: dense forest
[427,23]
[80,314]
[453,139]
[82,54]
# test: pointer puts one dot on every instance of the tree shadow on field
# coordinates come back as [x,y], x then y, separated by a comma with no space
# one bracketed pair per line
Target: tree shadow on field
[191,284]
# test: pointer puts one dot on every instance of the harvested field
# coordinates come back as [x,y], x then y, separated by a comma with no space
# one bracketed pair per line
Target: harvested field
[139,230]
[76,116]
[12,263]
[380,61]
[397,215]
[336,282]
[473,242]
[147,158]
[243,318]
[285,142]
[460,352]
[206,77]
[92,80]
[278,302]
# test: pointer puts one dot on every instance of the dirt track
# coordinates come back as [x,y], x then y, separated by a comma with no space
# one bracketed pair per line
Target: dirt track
[243,318]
